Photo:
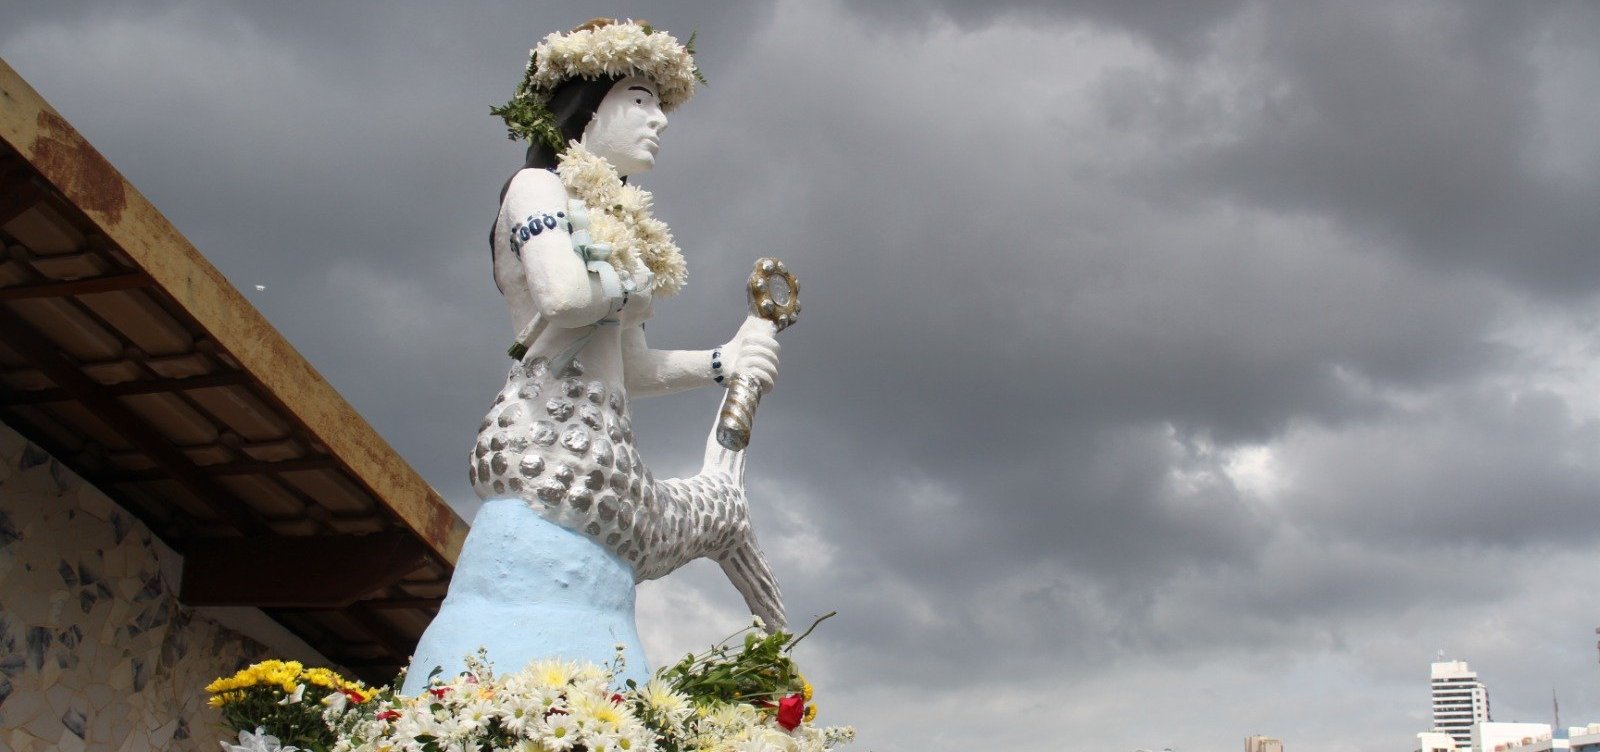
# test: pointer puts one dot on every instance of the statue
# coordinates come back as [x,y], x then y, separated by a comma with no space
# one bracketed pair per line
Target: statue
[572,518]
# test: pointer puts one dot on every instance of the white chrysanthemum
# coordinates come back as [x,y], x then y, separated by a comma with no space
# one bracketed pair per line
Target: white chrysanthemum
[636,739]
[519,685]
[764,739]
[476,714]
[602,741]
[620,217]
[561,732]
[550,702]
[260,741]
[551,673]
[617,49]
[733,716]
[634,200]
[840,733]
[660,698]
[516,715]
[411,725]
[599,714]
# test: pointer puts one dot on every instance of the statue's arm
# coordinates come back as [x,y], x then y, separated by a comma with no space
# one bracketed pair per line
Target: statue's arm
[647,372]
[563,290]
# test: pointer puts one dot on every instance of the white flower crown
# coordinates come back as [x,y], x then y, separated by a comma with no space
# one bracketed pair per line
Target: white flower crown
[599,48]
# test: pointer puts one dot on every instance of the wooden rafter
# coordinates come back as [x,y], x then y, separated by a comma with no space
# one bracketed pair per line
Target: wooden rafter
[242,467]
[127,388]
[380,631]
[58,367]
[85,286]
[19,189]
[385,604]
[313,571]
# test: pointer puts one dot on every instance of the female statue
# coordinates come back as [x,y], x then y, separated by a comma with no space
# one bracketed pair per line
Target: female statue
[572,518]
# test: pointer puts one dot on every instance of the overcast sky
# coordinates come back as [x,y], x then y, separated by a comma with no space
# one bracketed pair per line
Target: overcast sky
[1168,374]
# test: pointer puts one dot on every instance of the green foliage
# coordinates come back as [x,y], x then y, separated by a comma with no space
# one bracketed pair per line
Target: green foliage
[755,670]
[527,118]
[527,115]
[689,48]
[295,724]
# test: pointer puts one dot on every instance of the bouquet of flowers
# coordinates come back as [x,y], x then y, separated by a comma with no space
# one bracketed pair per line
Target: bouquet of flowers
[287,698]
[744,694]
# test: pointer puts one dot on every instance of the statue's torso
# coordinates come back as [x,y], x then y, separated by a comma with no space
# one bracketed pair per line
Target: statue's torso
[564,442]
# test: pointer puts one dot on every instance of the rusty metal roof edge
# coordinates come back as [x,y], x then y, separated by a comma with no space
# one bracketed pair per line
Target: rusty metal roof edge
[55,149]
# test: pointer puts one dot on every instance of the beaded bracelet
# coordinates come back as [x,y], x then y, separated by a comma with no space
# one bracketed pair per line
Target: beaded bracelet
[716,365]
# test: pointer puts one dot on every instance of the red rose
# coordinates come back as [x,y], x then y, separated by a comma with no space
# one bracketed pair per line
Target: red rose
[388,715]
[353,696]
[616,699]
[791,710]
[439,692]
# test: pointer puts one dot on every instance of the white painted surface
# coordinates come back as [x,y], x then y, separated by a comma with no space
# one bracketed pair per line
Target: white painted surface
[1435,741]
[626,128]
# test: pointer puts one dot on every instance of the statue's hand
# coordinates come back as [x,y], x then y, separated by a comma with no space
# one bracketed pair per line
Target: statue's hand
[754,351]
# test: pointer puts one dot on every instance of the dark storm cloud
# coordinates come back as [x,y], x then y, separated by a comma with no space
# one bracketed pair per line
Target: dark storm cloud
[1422,124]
[1142,345]
[1178,27]
[1484,468]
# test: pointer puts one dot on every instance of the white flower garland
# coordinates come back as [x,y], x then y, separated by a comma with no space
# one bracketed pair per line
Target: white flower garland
[560,705]
[614,49]
[620,217]
[601,48]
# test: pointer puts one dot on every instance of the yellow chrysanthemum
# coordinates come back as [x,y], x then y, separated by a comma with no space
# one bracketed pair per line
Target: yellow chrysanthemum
[660,698]
[598,712]
[552,673]
[264,673]
[324,678]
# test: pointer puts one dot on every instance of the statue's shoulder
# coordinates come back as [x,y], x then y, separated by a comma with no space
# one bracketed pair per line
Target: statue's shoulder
[536,188]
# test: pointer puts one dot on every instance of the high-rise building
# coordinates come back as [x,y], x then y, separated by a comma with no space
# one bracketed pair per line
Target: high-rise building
[1262,744]
[1459,700]
[1435,741]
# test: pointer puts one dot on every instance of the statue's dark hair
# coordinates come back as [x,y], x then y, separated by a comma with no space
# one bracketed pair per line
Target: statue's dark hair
[573,103]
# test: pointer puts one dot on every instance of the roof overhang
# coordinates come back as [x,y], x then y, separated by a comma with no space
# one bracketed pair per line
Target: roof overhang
[131,359]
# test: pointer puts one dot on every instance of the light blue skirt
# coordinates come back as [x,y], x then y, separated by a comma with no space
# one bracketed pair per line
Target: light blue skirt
[526,588]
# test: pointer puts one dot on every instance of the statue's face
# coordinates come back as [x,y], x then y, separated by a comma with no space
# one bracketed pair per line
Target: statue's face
[626,129]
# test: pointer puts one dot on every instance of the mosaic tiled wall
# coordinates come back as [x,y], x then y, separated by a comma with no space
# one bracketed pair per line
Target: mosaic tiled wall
[96,653]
